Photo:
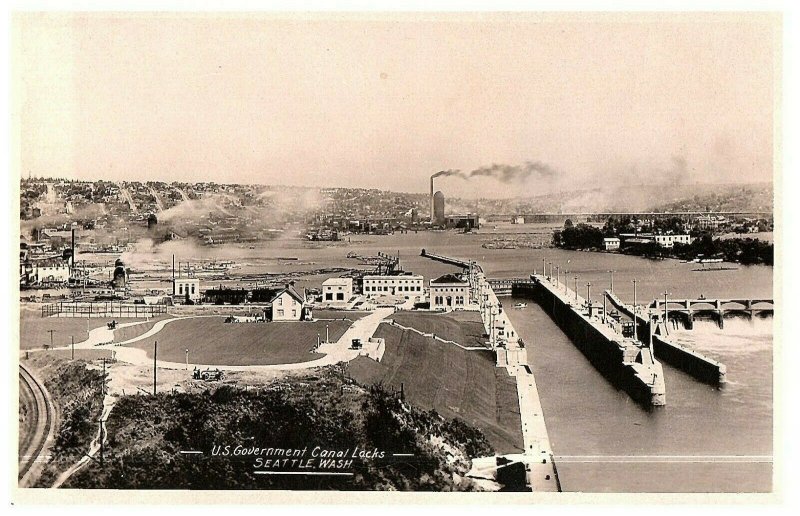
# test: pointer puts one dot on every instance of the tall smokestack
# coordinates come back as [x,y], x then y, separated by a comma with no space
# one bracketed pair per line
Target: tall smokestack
[431,197]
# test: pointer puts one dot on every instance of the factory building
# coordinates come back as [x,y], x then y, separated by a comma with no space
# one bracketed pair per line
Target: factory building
[449,292]
[407,285]
[337,290]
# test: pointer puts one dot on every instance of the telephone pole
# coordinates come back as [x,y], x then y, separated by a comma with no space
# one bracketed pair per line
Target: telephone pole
[155,369]
[51,332]
[73,347]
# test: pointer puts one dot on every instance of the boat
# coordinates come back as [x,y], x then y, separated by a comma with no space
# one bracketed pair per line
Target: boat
[520,305]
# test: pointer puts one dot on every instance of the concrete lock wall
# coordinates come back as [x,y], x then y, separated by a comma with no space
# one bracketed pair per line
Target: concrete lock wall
[605,354]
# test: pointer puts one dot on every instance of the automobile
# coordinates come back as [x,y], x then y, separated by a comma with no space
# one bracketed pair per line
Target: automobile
[356,344]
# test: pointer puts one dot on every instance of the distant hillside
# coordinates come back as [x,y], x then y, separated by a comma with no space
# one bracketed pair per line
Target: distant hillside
[699,197]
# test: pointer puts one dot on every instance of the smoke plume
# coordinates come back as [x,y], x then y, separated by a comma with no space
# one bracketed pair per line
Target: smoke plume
[516,173]
[448,173]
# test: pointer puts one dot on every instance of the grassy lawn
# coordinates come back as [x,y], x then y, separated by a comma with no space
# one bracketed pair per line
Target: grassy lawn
[465,328]
[123,334]
[454,382]
[211,341]
[34,329]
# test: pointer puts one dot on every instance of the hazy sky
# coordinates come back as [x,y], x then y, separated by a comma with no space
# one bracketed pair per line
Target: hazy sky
[373,101]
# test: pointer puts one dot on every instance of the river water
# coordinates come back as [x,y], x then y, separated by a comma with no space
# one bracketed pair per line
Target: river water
[705,439]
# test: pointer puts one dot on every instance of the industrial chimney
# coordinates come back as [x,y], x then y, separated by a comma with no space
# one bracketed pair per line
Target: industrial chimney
[431,199]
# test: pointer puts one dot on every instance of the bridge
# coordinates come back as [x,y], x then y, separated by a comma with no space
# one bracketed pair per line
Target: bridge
[504,287]
[717,309]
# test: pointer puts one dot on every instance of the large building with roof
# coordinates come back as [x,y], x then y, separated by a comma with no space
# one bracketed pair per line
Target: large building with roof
[449,292]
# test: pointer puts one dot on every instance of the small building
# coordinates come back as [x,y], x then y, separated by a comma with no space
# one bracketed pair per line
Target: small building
[611,244]
[288,305]
[186,288]
[407,285]
[449,292]
[671,240]
[518,219]
[337,290]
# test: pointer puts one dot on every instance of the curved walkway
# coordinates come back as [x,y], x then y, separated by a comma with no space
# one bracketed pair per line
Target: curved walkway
[335,352]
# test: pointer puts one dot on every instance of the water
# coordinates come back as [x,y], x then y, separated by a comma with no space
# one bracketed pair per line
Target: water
[597,431]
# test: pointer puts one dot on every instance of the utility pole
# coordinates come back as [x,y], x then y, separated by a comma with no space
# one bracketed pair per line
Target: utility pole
[327,335]
[634,310]
[51,332]
[589,296]
[73,347]
[612,280]
[576,288]
[155,369]
[544,267]
[187,359]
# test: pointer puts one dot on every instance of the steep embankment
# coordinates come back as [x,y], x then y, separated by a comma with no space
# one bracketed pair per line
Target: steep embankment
[407,449]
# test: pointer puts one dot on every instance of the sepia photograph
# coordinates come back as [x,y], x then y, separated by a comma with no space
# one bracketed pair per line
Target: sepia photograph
[395,251]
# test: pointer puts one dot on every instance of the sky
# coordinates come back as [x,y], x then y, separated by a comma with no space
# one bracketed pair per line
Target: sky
[384,101]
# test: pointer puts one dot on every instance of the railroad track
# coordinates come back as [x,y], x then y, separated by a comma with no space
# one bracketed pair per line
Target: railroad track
[42,421]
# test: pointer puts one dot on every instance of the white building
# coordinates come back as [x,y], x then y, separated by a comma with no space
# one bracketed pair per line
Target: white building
[287,305]
[671,240]
[406,285]
[611,244]
[449,292]
[49,271]
[519,219]
[181,287]
[337,290]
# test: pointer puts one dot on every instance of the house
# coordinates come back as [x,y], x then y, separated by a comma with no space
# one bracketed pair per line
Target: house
[611,244]
[407,285]
[337,290]
[288,305]
[449,292]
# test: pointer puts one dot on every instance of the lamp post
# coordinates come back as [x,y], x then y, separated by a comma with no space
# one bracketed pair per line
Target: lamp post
[576,288]
[544,268]
[612,280]
[327,335]
[589,296]
[187,359]
[558,275]
[634,310]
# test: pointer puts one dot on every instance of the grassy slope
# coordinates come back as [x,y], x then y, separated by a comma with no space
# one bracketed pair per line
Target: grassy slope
[212,341]
[455,382]
[465,328]
[147,433]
